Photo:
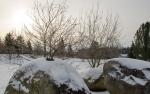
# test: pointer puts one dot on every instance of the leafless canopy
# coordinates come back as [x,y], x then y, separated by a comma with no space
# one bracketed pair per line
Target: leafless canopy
[101,35]
[50,25]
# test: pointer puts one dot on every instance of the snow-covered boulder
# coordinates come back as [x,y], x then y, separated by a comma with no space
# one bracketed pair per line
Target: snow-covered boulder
[96,85]
[127,76]
[92,76]
[46,77]
[94,79]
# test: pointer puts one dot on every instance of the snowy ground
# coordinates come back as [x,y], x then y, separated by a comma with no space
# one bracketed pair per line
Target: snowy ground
[7,69]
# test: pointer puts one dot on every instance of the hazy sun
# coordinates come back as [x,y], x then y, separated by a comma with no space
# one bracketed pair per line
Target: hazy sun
[20,17]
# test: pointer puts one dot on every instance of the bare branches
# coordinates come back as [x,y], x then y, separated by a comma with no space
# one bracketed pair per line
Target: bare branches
[50,25]
[101,35]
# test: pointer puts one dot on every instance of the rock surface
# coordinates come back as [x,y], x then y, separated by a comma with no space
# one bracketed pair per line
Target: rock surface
[127,76]
[43,77]
[92,76]
[96,85]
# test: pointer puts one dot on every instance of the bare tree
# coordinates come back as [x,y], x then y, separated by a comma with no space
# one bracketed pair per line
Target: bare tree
[101,35]
[37,48]
[50,25]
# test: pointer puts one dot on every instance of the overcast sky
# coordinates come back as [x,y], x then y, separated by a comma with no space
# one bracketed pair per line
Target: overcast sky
[132,13]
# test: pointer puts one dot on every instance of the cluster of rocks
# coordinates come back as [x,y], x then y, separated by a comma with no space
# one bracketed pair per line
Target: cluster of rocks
[117,78]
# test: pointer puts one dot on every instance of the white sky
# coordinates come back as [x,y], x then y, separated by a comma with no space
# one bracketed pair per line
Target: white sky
[132,13]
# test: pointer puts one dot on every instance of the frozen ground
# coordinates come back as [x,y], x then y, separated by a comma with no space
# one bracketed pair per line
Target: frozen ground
[7,69]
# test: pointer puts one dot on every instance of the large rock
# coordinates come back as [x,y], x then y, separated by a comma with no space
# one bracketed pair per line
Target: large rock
[43,77]
[96,85]
[92,76]
[127,76]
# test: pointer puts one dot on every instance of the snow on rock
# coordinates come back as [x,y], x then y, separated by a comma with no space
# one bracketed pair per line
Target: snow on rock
[85,70]
[6,72]
[8,68]
[100,92]
[17,85]
[129,74]
[147,73]
[91,73]
[133,66]
[138,65]
[133,63]
[134,80]
[58,72]
[92,76]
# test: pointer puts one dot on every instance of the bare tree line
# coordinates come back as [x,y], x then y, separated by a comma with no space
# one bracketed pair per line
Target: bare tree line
[93,36]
